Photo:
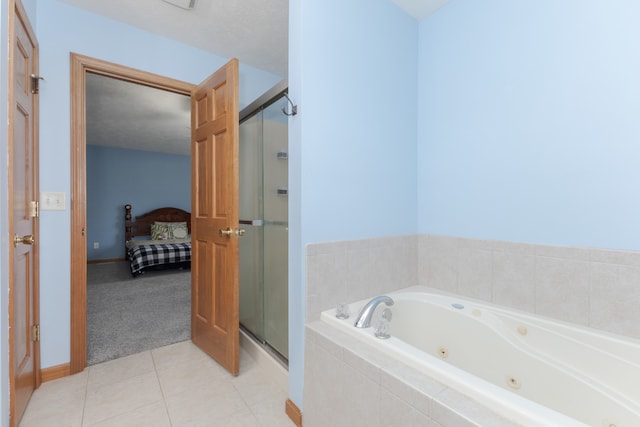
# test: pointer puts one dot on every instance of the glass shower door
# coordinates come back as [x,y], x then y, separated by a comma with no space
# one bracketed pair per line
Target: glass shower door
[264,215]
[251,213]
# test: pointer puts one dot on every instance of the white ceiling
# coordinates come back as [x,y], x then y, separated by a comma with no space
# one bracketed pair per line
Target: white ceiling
[128,115]
[254,31]
[125,115]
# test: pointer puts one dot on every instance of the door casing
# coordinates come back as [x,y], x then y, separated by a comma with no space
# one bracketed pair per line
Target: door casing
[80,65]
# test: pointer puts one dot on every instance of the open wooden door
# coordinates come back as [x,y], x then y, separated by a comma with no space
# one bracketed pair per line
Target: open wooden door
[214,216]
[23,212]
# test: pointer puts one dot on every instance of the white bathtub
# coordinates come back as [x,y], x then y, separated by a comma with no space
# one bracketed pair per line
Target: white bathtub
[530,370]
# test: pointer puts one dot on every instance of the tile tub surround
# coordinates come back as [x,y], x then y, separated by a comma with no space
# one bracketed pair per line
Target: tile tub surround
[347,271]
[591,287]
[347,382]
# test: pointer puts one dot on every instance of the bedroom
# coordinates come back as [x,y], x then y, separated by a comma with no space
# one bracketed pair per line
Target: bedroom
[146,132]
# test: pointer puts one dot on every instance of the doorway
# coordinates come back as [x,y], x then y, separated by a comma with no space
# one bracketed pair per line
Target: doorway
[80,66]
[138,153]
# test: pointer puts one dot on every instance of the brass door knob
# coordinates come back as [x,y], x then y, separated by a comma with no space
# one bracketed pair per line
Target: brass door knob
[25,240]
[240,232]
[228,232]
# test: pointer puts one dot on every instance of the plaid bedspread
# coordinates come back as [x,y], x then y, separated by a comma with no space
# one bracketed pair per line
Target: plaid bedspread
[149,255]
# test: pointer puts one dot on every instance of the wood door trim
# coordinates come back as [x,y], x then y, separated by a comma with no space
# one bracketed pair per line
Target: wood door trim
[293,412]
[80,65]
[54,372]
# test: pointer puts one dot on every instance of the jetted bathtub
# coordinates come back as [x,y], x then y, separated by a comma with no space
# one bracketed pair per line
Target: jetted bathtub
[528,369]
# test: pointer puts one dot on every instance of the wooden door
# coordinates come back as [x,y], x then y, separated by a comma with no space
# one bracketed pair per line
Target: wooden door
[23,223]
[214,216]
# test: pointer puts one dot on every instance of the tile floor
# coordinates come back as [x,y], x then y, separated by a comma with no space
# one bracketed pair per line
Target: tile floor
[177,385]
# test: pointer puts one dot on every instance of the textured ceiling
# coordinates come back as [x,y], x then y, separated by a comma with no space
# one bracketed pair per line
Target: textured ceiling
[254,31]
[127,115]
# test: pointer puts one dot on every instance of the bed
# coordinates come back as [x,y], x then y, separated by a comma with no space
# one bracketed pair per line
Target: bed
[158,239]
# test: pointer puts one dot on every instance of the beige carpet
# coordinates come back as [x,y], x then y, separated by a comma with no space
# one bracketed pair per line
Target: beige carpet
[127,315]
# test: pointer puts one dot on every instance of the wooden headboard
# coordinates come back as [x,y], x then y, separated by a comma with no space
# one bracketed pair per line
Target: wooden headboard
[142,224]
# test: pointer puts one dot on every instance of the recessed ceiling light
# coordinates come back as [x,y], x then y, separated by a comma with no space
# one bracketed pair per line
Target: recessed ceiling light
[183,4]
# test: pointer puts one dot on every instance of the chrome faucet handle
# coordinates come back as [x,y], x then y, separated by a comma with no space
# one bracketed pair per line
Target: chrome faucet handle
[342,311]
[382,328]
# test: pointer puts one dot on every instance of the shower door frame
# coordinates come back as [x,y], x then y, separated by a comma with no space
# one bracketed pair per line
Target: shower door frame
[261,103]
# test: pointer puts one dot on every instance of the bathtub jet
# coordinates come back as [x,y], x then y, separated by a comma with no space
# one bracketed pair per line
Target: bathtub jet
[529,369]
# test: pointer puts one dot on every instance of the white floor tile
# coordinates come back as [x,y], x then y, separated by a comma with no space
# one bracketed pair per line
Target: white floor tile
[180,353]
[121,369]
[182,377]
[154,415]
[173,386]
[255,387]
[204,404]
[271,414]
[57,403]
[107,400]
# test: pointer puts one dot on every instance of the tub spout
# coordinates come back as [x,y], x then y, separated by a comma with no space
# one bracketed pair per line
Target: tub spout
[364,318]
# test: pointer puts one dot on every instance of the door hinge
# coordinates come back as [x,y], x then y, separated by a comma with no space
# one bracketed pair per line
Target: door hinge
[35,333]
[34,209]
[35,83]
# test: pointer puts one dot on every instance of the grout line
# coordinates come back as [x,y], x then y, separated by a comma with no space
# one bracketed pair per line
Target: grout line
[108,384]
[86,392]
[164,398]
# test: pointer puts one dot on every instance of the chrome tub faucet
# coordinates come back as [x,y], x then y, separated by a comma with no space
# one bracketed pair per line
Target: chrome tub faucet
[364,318]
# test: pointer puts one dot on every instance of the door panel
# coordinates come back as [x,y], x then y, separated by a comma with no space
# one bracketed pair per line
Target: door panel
[23,231]
[214,216]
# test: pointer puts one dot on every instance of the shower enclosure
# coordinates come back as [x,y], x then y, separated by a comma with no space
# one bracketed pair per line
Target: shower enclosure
[264,216]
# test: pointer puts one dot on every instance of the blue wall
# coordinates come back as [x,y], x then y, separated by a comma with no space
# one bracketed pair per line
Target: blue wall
[61,30]
[528,122]
[525,127]
[352,147]
[116,177]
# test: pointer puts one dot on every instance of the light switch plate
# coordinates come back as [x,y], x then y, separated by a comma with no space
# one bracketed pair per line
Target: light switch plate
[52,201]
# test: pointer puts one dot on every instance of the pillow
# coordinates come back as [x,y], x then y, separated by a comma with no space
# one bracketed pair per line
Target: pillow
[159,231]
[179,230]
[175,230]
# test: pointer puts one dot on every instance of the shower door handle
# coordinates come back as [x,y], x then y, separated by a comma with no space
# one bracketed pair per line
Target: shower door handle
[254,222]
